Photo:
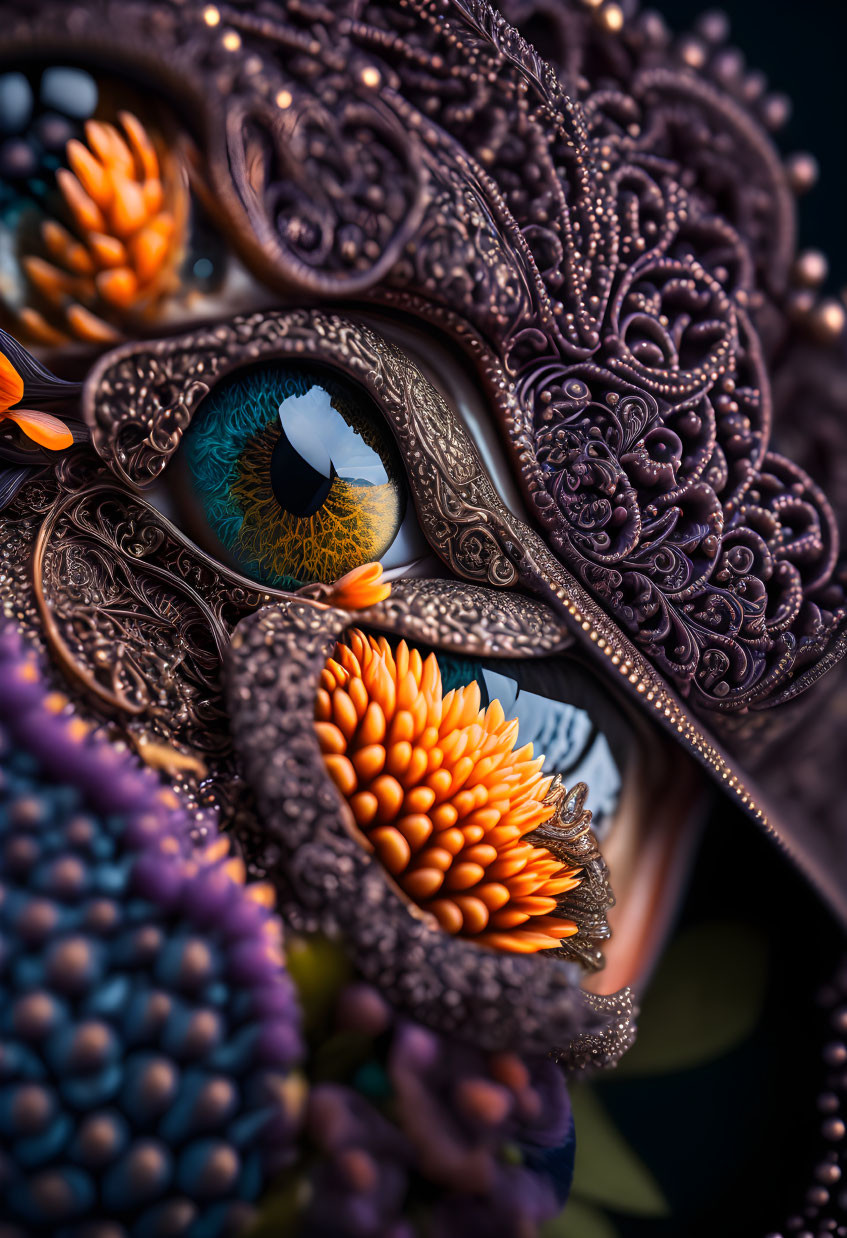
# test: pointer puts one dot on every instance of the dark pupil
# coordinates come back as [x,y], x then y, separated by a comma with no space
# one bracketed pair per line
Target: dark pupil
[298,487]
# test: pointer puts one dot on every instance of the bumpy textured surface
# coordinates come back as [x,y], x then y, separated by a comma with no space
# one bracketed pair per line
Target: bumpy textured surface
[148,1024]
[502,1001]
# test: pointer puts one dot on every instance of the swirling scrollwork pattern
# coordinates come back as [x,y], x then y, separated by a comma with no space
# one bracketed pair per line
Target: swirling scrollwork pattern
[633,237]
[132,613]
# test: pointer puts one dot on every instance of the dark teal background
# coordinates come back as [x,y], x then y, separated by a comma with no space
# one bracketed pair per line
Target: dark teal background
[801,45]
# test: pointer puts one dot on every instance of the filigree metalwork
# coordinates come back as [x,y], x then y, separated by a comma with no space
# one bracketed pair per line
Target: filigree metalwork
[622,276]
[139,399]
[568,835]
[135,620]
[273,666]
[601,265]
[131,614]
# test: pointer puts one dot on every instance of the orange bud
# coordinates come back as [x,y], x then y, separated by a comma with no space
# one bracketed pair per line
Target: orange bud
[119,286]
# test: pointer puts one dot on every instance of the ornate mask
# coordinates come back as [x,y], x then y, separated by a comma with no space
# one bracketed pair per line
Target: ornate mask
[366,307]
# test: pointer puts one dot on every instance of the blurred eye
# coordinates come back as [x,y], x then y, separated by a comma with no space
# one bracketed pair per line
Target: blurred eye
[294,473]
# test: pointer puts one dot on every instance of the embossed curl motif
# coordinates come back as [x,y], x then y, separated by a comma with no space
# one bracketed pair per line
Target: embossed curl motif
[423,156]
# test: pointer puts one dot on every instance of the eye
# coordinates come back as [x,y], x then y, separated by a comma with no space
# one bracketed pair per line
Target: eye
[564,713]
[292,471]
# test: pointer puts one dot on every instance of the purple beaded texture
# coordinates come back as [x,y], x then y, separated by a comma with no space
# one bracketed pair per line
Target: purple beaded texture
[148,1024]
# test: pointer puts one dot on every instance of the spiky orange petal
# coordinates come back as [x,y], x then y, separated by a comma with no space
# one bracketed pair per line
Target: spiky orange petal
[65,249]
[87,326]
[127,211]
[39,329]
[442,794]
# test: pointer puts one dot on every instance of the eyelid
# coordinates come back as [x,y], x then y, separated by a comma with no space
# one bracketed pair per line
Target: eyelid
[462,392]
[140,398]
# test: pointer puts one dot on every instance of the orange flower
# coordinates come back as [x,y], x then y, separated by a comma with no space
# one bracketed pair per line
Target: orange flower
[359,589]
[440,792]
[128,210]
[42,428]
